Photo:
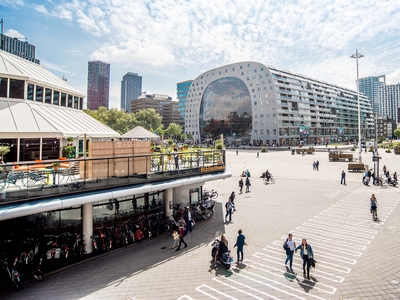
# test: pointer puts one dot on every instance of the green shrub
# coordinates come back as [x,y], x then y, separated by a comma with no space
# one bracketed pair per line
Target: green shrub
[353,149]
[388,151]
[263,149]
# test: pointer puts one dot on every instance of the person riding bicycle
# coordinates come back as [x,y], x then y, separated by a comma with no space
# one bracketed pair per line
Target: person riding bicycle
[267,175]
[374,204]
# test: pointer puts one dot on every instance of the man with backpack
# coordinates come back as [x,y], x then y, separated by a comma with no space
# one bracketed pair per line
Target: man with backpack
[241,185]
[182,234]
[228,207]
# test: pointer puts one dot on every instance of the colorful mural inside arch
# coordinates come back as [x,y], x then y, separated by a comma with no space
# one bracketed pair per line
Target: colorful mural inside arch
[226,109]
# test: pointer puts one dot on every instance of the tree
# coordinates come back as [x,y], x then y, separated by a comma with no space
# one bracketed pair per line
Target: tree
[148,119]
[118,120]
[397,133]
[174,130]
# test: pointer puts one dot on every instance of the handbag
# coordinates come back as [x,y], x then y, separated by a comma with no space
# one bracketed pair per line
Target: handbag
[312,262]
[285,245]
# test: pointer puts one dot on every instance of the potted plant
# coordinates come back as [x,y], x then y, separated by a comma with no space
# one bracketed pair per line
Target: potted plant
[70,139]
[3,151]
[56,165]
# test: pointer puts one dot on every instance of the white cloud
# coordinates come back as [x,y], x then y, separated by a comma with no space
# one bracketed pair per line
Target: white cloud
[14,33]
[40,8]
[313,38]
[394,77]
[56,67]
[12,3]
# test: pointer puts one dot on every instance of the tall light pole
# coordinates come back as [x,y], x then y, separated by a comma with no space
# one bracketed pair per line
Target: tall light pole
[357,56]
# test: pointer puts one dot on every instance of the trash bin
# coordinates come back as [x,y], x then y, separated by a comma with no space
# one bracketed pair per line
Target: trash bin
[293,152]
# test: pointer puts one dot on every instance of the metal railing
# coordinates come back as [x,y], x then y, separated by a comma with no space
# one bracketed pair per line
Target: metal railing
[41,179]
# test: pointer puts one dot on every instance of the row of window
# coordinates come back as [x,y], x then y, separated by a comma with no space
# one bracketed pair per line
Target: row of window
[15,89]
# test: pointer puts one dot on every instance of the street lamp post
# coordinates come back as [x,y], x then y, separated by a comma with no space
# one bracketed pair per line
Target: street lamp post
[357,56]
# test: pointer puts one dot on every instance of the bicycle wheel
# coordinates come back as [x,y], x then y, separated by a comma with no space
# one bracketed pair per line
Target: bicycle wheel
[214,195]
[272,181]
[209,213]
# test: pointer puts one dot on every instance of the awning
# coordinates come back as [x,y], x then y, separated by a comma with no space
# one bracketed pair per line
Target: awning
[140,133]
[28,119]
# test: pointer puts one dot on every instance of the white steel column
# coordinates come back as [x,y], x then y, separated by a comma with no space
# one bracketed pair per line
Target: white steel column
[168,200]
[40,148]
[18,148]
[87,226]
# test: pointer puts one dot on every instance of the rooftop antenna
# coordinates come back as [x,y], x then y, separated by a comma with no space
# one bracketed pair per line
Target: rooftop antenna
[1,38]
[64,79]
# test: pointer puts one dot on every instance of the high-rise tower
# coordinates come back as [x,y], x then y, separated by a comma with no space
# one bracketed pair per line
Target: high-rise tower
[98,87]
[131,88]
[369,86]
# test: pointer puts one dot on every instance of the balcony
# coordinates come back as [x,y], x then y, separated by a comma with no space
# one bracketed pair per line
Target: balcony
[24,181]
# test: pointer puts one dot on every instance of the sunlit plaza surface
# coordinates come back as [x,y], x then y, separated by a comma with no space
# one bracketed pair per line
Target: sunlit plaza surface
[356,257]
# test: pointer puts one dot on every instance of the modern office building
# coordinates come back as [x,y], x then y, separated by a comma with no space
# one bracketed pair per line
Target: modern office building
[131,88]
[163,105]
[369,86]
[18,46]
[98,87]
[389,101]
[253,103]
[182,90]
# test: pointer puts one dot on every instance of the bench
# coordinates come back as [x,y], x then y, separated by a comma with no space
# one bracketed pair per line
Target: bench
[356,167]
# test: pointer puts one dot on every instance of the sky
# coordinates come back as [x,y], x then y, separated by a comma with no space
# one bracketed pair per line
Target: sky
[167,41]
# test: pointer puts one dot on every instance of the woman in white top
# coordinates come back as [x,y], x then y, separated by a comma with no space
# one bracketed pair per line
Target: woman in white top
[290,242]
[306,253]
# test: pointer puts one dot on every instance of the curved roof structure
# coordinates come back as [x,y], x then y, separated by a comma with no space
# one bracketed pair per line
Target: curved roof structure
[12,65]
[33,119]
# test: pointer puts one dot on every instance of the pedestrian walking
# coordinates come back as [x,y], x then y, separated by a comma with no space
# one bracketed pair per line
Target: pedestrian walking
[290,246]
[176,158]
[240,242]
[181,237]
[384,170]
[258,155]
[248,184]
[175,235]
[237,152]
[228,206]
[232,197]
[188,219]
[343,178]
[241,185]
[317,165]
[306,253]
[313,165]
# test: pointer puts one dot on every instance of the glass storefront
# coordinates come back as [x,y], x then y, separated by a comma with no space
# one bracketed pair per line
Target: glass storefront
[226,109]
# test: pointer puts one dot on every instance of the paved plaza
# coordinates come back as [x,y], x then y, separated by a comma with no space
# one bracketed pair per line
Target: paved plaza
[357,258]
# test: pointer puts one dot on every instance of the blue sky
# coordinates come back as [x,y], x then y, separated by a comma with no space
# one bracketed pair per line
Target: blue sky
[168,41]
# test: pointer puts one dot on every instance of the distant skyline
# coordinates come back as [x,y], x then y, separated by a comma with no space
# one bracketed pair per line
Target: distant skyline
[167,41]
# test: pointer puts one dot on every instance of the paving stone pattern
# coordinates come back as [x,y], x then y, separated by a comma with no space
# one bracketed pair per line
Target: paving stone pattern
[357,258]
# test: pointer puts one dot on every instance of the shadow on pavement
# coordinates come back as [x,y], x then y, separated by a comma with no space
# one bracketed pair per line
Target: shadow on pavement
[94,274]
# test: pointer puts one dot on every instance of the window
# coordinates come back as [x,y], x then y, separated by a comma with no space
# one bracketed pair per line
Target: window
[63,99]
[233,69]
[81,103]
[255,102]
[69,100]
[262,69]
[56,98]
[3,87]
[47,96]
[274,131]
[30,91]
[248,65]
[17,88]
[39,94]
[76,102]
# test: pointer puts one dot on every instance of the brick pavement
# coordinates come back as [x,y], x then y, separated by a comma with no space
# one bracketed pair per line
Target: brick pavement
[357,258]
